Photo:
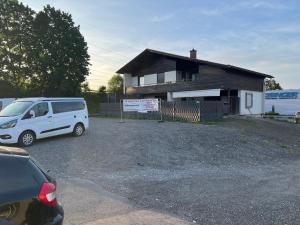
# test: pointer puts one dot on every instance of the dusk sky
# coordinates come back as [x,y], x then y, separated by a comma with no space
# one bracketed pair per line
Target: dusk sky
[260,35]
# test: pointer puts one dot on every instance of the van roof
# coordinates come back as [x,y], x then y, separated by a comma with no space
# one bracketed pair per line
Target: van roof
[48,99]
[13,151]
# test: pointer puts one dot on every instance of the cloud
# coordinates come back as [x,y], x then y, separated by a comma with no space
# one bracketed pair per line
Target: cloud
[212,12]
[156,19]
[217,10]
[266,5]
[293,28]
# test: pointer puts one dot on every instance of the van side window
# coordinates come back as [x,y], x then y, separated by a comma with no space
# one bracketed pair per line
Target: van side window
[61,107]
[40,109]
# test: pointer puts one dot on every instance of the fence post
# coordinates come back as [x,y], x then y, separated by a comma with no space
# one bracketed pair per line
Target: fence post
[173,110]
[121,111]
[199,110]
[161,115]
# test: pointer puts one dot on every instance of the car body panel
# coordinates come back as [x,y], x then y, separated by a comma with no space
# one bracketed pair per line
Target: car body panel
[21,181]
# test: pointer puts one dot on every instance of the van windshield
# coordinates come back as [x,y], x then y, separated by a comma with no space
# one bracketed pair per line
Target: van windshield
[15,108]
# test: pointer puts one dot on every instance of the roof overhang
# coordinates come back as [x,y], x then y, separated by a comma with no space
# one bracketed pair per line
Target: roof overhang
[145,57]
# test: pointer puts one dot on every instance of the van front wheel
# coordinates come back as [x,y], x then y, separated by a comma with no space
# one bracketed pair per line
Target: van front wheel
[26,139]
[78,130]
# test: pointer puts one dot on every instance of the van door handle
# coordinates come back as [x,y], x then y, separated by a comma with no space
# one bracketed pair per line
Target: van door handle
[49,117]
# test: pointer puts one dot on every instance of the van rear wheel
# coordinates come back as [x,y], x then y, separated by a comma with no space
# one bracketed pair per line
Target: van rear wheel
[26,139]
[78,130]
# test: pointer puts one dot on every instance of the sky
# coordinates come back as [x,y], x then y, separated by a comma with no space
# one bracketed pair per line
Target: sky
[261,35]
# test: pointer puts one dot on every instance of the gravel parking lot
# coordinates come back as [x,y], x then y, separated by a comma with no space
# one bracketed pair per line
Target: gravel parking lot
[240,171]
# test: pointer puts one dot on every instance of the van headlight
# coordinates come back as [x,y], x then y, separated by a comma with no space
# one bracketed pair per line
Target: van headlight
[9,124]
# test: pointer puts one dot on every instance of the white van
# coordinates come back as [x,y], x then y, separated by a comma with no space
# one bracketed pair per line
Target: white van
[5,102]
[28,119]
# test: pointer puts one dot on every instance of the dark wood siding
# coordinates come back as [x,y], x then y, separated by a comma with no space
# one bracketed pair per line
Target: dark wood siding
[157,65]
[209,78]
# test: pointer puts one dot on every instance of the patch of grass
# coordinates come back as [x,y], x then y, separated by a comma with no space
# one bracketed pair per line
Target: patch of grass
[244,141]
[212,122]
[271,114]
[284,146]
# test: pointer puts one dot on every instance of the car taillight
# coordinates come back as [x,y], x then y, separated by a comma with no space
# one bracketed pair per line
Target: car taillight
[47,194]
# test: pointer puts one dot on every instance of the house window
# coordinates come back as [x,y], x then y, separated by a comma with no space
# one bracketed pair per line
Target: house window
[186,76]
[195,76]
[161,78]
[141,81]
[249,100]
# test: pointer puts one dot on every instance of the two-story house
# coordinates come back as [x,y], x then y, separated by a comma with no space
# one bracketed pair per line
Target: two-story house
[178,78]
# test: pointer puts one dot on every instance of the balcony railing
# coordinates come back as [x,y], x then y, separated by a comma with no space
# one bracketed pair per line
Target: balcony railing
[182,85]
[168,82]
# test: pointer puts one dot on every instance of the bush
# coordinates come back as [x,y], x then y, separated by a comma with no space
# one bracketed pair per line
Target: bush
[271,113]
[93,101]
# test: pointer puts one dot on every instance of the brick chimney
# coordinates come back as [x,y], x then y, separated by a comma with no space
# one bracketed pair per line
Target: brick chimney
[193,54]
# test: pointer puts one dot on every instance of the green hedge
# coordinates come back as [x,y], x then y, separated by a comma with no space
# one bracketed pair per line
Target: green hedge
[93,101]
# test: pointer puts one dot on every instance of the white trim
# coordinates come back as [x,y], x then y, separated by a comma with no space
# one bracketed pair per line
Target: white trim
[197,93]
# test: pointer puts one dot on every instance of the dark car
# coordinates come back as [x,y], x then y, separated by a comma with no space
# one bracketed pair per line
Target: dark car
[27,193]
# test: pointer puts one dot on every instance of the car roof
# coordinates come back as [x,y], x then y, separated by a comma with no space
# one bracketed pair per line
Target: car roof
[38,99]
[13,151]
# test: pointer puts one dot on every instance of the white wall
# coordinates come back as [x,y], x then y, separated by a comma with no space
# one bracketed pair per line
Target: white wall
[283,106]
[130,81]
[150,79]
[134,81]
[170,97]
[127,80]
[197,93]
[170,76]
[142,81]
[258,102]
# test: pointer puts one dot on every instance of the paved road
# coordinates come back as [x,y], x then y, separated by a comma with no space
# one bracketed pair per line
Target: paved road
[143,172]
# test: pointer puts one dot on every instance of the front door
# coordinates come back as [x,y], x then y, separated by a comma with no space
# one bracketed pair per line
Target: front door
[234,105]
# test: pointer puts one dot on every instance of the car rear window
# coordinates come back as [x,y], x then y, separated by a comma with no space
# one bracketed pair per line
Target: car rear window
[19,179]
[61,107]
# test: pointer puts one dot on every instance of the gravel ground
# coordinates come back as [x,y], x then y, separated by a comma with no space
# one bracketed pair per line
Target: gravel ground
[240,171]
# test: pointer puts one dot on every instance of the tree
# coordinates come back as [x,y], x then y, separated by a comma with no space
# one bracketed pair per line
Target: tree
[271,84]
[102,89]
[85,87]
[115,84]
[16,42]
[61,59]
[8,91]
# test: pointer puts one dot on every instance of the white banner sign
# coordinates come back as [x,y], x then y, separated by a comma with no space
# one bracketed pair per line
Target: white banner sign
[141,105]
